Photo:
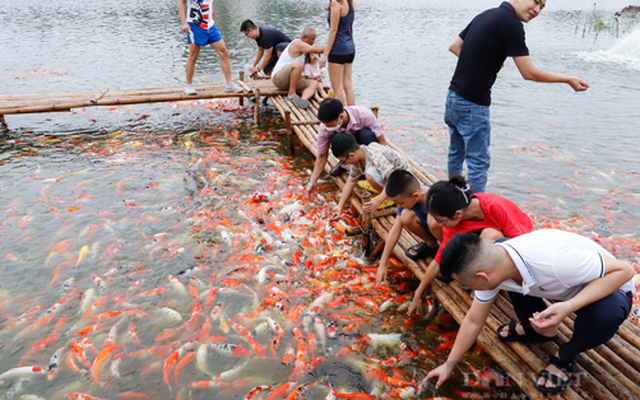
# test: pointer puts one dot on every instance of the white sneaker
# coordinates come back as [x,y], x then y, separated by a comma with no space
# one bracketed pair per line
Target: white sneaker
[233,88]
[189,90]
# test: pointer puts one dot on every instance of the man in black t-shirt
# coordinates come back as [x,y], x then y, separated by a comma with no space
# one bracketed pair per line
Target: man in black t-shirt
[482,48]
[271,42]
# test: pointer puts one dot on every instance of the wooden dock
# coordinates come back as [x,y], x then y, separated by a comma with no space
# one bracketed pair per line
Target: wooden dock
[609,371]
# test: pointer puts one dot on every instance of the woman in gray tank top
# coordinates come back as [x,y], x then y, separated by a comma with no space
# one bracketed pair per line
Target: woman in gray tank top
[340,50]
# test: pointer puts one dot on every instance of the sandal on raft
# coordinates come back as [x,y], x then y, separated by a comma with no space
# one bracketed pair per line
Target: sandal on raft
[560,384]
[420,251]
[530,335]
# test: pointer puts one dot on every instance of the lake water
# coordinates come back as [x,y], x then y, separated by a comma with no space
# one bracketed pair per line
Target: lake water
[570,159]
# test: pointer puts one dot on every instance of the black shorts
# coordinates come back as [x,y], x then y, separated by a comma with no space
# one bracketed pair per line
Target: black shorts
[345,59]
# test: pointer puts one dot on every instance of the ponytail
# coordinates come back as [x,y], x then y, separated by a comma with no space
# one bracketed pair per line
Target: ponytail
[447,197]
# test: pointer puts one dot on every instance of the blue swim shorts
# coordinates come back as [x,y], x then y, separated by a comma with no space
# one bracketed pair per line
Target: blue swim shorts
[203,37]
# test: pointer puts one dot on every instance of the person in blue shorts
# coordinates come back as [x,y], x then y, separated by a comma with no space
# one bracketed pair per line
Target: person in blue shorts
[198,22]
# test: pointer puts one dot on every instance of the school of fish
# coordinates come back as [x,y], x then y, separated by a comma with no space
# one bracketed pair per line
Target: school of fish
[190,265]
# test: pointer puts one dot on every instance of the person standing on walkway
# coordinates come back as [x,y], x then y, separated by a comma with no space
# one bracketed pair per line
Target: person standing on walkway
[482,48]
[199,23]
[340,50]
[271,42]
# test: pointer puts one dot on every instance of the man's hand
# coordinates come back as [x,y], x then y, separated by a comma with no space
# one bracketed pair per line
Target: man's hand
[186,28]
[312,190]
[415,307]
[323,61]
[443,372]
[551,317]
[253,70]
[578,84]
[381,276]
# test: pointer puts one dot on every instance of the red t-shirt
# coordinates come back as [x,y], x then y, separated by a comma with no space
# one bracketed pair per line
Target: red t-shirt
[499,213]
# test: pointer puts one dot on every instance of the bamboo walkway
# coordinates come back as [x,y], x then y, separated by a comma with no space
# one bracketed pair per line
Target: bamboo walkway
[609,371]
[56,102]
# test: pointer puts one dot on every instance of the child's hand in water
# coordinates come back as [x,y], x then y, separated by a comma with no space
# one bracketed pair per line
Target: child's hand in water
[381,276]
[415,307]
[336,211]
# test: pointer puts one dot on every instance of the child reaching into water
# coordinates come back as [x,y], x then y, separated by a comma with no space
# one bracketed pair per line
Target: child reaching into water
[411,198]
[373,161]
[312,70]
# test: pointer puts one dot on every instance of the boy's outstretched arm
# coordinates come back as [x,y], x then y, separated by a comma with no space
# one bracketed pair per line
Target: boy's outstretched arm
[318,167]
[344,196]
[469,330]
[416,304]
[389,244]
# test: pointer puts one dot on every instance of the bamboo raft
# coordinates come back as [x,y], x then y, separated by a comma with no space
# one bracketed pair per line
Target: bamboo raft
[611,370]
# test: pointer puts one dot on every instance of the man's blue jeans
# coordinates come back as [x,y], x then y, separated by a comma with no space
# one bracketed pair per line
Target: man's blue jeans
[470,137]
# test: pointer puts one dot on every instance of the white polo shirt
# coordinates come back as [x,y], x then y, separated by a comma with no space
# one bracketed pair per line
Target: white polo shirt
[554,265]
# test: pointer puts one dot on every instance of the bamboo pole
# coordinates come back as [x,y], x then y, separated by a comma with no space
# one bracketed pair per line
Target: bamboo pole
[256,107]
[306,122]
[98,97]
[578,22]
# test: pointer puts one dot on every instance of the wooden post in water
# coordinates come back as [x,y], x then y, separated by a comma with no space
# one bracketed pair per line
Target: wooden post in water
[256,106]
[241,99]
[375,110]
[367,222]
[578,21]
[3,122]
[289,128]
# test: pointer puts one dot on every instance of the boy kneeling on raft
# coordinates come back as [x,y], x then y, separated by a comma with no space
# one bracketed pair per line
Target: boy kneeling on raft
[373,161]
[405,190]
[575,272]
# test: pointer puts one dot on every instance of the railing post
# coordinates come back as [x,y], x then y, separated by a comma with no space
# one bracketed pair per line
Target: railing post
[241,99]
[256,106]
[375,110]
[289,128]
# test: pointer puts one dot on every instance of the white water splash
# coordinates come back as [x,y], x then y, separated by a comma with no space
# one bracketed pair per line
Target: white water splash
[625,52]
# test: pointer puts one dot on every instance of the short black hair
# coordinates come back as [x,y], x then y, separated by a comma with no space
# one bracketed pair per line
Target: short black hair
[458,254]
[447,197]
[330,109]
[342,144]
[247,25]
[401,183]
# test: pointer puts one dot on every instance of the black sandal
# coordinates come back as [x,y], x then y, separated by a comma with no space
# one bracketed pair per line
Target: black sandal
[420,251]
[530,335]
[560,384]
